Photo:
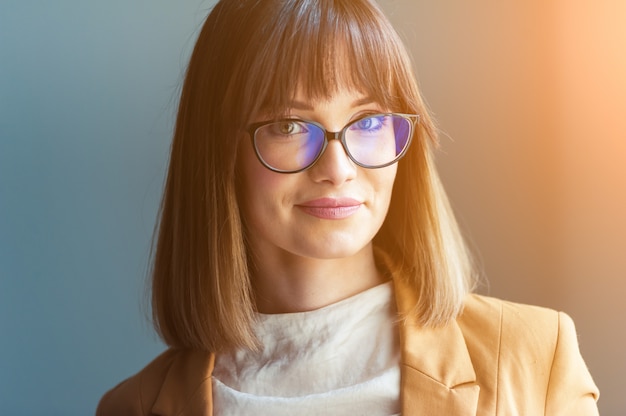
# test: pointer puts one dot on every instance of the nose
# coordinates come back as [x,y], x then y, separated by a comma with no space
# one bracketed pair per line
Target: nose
[334,165]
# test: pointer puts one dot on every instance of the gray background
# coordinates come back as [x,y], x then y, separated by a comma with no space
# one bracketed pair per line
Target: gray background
[88,94]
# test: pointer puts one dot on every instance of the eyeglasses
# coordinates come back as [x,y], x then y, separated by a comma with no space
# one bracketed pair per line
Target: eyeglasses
[292,145]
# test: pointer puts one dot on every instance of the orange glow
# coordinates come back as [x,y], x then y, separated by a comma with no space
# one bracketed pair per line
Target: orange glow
[533,96]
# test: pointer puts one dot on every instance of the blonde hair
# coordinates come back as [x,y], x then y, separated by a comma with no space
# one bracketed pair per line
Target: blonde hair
[249,57]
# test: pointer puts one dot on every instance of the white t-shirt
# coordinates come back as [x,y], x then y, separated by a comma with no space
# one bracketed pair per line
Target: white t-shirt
[342,359]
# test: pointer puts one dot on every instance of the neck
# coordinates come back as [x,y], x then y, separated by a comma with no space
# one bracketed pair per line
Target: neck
[297,284]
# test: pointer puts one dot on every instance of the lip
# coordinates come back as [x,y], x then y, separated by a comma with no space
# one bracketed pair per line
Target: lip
[331,208]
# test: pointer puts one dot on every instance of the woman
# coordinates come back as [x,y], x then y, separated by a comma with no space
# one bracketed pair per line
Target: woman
[301,267]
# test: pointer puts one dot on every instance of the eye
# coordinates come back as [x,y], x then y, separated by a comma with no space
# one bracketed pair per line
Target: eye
[286,127]
[369,123]
[289,127]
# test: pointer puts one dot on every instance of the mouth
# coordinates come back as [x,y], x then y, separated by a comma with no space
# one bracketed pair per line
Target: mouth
[331,208]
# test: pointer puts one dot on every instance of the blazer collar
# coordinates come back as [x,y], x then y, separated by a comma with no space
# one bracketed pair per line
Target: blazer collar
[437,373]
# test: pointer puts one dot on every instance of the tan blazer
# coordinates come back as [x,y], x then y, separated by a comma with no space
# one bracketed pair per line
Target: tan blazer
[497,358]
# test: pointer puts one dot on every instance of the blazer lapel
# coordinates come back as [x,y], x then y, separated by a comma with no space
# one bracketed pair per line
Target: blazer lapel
[437,373]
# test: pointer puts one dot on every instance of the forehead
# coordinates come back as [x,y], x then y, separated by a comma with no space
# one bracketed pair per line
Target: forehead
[342,95]
[313,92]
[333,69]
[341,105]
[314,64]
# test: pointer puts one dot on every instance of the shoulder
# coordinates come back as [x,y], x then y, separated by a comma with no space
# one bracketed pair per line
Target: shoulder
[170,380]
[500,328]
[487,314]
[526,357]
[134,395]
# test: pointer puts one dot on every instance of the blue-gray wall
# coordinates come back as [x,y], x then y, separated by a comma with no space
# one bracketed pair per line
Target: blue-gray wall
[88,93]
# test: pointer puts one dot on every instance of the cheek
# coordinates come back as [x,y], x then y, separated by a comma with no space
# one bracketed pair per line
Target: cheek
[251,176]
[384,180]
[260,188]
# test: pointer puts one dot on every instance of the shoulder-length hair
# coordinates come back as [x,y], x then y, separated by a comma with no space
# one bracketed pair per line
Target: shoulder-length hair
[249,57]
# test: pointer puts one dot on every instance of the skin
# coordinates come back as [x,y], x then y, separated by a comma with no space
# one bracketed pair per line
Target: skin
[302,262]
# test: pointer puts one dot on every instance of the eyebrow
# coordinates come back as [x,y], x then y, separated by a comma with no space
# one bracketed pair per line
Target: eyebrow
[300,105]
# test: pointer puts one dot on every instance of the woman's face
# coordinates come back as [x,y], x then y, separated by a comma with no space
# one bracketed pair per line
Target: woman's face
[331,210]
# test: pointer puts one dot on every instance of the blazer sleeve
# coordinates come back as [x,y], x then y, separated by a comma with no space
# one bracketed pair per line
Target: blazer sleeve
[136,395]
[122,400]
[571,390]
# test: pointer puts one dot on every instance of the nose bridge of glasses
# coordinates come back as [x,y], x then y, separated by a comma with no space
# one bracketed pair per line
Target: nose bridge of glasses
[332,135]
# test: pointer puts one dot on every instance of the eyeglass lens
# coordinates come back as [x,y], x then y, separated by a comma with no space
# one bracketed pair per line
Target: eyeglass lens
[291,145]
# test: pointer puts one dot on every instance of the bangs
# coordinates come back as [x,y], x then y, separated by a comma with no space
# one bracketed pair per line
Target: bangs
[322,47]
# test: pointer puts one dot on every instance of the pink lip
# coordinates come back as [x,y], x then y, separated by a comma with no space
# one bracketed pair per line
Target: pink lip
[331,208]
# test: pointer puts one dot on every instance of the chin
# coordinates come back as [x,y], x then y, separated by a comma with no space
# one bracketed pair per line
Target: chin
[336,250]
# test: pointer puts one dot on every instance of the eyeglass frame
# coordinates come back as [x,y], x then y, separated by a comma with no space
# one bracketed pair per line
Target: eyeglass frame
[252,129]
